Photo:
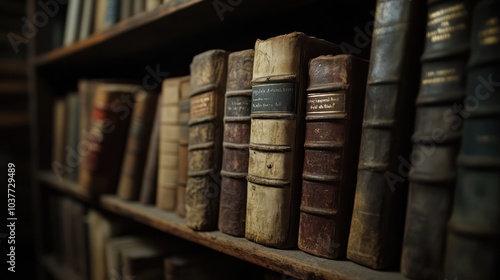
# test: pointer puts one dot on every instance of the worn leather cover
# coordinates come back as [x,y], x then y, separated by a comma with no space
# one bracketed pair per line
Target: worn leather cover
[182,157]
[335,99]
[134,159]
[436,139]
[381,190]
[277,136]
[473,245]
[166,194]
[233,197]
[107,137]
[208,84]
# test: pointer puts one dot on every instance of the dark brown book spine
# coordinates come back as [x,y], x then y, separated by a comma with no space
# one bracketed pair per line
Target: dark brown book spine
[149,180]
[473,241]
[208,84]
[436,138]
[107,138]
[233,197]
[139,134]
[381,190]
[334,112]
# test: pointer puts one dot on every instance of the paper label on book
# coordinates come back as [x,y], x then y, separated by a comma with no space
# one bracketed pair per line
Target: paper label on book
[274,98]
[238,106]
[325,103]
[203,105]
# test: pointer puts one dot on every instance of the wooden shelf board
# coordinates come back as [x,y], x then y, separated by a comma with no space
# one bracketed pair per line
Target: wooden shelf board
[291,262]
[57,270]
[154,30]
[65,186]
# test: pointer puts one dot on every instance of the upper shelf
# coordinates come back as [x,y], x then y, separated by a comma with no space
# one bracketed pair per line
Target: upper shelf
[155,30]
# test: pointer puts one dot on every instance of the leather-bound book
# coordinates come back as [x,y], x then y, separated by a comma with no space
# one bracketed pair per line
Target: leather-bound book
[334,112]
[169,143]
[436,139]
[139,134]
[71,154]
[277,136]
[107,137]
[208,84]
[59,138]
[180,206]
[150,176]
[473,243]
[233,193]
[377,223]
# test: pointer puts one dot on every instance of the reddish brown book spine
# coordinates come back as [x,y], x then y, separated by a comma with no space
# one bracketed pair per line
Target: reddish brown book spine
[335,102]
[233,199]
[106,139]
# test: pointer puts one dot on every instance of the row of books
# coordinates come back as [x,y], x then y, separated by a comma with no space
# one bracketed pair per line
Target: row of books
[296,144]
[94,245]
[87,17]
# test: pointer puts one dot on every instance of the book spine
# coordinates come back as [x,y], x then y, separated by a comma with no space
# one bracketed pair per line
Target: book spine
[73,126]
[87,19]
[277,136]
[233,197]
[169,137]
[184,110]
[335,99]
[208,82]
[106,141]
[112,13]
[473,244]
[433,172]
[380,199]
[136,150]
[149,180]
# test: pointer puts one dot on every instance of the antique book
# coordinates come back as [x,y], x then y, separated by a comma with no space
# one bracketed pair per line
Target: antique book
[334,112]
[59,138]
[128,256]
[436,139]
[80,239]
[100,15]
[107,137]
[101,229]
[86,26]
[134,159]
[112,14]
[208,84]
[233,192]
[180,205]
[71,155]
[126,8]
[138,6]
[279,85]
[473,242]
[73,19]
[169,143]
[152,4]
[150,176]
[377,222]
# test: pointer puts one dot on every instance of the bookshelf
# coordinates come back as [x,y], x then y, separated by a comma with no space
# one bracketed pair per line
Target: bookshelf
[169,36]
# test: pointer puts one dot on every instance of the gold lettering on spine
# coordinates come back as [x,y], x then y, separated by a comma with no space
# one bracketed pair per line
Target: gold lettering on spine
[443,23]
[447,75]
[491,33]
[202,105]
